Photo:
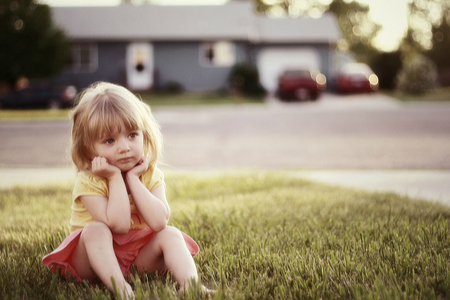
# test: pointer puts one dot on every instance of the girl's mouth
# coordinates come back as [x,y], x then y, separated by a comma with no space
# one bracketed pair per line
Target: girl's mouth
[125,159]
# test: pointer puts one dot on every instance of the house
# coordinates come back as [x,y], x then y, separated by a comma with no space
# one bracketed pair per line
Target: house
[149,46]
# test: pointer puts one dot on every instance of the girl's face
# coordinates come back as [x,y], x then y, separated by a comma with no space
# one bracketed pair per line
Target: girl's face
[123,148]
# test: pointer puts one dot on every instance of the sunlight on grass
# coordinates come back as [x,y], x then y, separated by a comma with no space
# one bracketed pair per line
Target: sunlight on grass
[263,235]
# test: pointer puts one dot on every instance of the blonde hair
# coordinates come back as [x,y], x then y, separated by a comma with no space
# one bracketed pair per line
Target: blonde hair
[101,109]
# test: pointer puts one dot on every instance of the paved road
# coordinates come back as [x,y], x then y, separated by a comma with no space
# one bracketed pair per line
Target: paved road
[363,134]
[360,132]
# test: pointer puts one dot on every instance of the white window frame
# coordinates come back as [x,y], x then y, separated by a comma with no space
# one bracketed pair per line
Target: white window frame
[221,60]
[77,64]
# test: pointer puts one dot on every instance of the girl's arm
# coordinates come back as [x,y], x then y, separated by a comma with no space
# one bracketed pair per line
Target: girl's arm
[153,205]
[115,211]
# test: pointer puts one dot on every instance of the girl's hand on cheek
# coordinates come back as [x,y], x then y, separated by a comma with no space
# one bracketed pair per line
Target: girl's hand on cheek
[101,167]
[141,167]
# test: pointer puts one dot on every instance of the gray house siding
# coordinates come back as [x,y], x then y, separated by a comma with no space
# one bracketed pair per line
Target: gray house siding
[178,62]
[110,66]
[111,58]
[174,53]
[181,62]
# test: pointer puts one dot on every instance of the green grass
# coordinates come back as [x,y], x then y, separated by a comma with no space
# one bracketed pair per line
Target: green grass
[439,94]
[34,114]
[263,235]
[153,99]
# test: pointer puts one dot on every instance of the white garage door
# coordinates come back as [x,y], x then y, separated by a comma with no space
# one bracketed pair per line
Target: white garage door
[272,61]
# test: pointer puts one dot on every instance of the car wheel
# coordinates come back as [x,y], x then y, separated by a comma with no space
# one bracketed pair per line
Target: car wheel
[302,94]
[54,104]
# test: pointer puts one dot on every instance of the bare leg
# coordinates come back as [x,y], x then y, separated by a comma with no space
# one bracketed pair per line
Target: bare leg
[167,251]
[95,253]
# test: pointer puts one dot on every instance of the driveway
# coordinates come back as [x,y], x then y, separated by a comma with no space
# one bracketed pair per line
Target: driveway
[328,140]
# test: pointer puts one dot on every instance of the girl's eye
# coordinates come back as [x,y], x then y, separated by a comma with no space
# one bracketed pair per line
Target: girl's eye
[133,135]
[109,141]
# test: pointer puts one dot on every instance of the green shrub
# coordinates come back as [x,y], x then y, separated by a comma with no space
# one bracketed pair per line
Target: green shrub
[172,88]
[244,80]
[417,76]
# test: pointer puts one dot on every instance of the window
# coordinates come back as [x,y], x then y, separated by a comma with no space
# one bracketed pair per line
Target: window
[84,57]
[217,54]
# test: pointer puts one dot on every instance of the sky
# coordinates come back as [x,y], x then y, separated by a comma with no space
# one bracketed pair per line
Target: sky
[391,14]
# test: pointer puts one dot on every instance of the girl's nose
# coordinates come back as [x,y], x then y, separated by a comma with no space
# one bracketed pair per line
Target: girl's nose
[123,145]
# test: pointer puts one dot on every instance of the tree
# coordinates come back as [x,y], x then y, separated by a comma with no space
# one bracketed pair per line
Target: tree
[429,33]
[439,53]
[418,74]
[357,27]
[30,45]
[386,65]
[244,80]
[424,15]
[293,8]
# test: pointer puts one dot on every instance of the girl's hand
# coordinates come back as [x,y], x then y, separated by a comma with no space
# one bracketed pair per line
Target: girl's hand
[101,167]
[140,168]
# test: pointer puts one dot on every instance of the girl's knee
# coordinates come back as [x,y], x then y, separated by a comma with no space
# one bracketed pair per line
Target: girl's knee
[170,232]
[96,230]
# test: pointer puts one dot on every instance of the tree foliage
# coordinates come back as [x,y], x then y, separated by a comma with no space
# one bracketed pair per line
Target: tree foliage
[244,80]
[418,74]
[439,52]
[429,34]
[30,45]
[387,65]
[292,8]
[424,16]
[357,27]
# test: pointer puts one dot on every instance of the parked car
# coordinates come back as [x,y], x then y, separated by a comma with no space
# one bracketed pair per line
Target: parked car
[356,77]
[28,94]
[301,84]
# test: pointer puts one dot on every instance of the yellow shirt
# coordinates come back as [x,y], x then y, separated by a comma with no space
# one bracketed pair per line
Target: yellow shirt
[87,184]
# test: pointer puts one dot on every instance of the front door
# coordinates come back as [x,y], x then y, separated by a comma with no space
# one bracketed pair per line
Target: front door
[140,66]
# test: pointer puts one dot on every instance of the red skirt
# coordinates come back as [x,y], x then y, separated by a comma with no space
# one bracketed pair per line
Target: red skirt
[126,248]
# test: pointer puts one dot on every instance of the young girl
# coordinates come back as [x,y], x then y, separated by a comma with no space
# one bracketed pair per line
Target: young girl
[119,207]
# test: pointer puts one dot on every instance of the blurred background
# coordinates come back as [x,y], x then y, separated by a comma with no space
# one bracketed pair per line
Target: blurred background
[365,76]
[239,47]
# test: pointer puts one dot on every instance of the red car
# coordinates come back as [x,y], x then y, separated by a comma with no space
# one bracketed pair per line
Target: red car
[301,84]
[356,77]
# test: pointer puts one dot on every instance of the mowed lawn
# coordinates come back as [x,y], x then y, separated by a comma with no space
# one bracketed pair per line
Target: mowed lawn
[153,99]
[263,235]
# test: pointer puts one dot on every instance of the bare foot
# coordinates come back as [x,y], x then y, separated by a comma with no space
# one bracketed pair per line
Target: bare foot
[203,288]
[208,291]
